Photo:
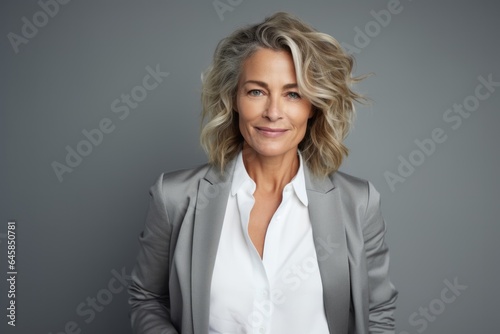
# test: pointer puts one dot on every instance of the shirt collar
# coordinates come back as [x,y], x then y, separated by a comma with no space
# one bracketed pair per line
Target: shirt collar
[242,179]
[299,182]
[240,176]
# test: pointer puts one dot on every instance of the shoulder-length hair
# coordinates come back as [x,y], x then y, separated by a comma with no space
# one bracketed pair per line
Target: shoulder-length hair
[324,76]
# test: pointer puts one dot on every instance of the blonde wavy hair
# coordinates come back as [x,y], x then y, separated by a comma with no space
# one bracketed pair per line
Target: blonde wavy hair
[324,76]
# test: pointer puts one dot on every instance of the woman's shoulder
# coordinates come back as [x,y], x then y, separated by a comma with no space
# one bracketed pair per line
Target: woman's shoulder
[181,181]
[174,191]
[178,187]
[348,181]
[355,188]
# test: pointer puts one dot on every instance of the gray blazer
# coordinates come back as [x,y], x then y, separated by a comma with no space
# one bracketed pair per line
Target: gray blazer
[170,289]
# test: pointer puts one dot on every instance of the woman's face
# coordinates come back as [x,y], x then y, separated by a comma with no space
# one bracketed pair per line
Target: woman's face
[272,115]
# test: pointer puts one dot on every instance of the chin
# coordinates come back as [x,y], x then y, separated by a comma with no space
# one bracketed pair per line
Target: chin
[269,152]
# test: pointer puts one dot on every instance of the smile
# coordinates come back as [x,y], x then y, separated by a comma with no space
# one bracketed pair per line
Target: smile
[271,132]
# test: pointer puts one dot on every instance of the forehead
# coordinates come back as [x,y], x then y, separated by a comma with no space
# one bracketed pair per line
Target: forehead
[270,64]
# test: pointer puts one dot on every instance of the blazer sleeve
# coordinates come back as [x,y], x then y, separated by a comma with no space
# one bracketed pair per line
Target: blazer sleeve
[382,293]
[149,295]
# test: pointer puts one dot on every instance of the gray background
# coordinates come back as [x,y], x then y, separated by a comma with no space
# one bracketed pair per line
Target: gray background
[443,220]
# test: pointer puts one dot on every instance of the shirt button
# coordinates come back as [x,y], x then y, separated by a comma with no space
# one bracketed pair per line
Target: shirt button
[262,330]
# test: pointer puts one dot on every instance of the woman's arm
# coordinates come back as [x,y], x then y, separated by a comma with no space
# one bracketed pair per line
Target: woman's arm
[382,294]
[149,295]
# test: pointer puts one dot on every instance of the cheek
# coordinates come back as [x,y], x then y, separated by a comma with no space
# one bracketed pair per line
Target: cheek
[243,125]
[303,116]
[247,111]
[242,117]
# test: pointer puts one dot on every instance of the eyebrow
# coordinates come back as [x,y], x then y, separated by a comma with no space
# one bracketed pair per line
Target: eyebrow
[265,85]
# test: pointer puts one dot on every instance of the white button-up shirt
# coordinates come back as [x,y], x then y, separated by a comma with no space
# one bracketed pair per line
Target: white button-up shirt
[280,293]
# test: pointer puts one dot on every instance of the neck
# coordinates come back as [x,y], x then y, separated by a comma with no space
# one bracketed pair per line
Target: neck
[270,174]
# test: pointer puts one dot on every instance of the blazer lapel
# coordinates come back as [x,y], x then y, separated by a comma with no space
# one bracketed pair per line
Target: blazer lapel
[211,204]
[327,219]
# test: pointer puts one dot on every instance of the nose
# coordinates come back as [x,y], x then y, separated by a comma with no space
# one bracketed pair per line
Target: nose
[274,109]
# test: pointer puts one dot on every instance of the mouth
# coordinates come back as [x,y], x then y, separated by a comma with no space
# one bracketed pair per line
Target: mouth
[270,132]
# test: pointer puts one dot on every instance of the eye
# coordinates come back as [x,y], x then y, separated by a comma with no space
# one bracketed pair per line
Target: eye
[255,92]
[293,95]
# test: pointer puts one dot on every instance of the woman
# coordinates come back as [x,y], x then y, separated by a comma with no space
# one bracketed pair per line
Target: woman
[268,237]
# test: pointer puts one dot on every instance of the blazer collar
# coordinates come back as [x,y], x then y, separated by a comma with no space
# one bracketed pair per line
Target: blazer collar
[327,219]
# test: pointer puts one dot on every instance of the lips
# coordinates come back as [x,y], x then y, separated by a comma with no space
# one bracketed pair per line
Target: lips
[271,132]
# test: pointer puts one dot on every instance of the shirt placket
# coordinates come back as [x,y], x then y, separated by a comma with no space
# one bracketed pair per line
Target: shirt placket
[259,318]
